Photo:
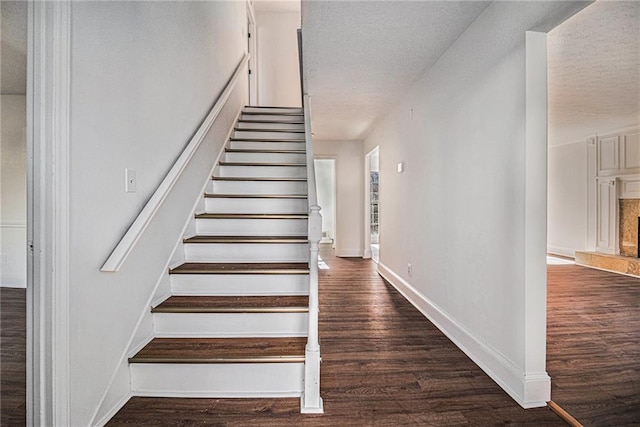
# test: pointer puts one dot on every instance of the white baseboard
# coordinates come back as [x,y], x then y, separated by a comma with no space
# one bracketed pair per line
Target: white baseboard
[559,250]
[113,411]
[528,390]
[348,253]
[14,285]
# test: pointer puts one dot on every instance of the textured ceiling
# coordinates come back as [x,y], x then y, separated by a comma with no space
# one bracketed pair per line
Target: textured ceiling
[594,71]
[13,49]
[360,57]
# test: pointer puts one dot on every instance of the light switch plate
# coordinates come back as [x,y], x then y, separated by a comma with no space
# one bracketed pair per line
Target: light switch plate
[400,167]
[131,182]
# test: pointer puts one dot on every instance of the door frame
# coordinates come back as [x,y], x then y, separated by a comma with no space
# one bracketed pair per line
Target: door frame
[367,201]
[335,195]
[48,191]
[252,50]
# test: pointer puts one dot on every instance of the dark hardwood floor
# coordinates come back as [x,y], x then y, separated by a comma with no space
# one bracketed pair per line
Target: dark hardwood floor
[593,344]
[13,343]
[385,364]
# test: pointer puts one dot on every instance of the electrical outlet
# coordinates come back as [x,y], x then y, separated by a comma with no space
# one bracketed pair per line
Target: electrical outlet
[131,182]
[409,270]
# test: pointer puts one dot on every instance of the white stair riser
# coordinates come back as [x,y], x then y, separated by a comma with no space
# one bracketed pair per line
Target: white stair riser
[265,145]
[263,171]
[252,205]
[259,187]
[246,252]
[229,325]
[271,125]
[239,284]
[274,117]
[254,134]
[217,380]
[251,227]
[265,157]
[272,110]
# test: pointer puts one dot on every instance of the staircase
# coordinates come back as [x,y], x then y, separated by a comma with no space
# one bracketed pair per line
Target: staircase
[237,323]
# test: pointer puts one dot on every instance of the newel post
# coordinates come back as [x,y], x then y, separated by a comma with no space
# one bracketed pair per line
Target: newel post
[311,402]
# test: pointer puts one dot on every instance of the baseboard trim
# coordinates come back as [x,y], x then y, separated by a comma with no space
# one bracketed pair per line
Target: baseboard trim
[13,285]
[559,250]
[113,411]
[528,390]
[348,253]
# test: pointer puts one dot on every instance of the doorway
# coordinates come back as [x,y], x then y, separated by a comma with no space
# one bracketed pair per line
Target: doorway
[372,206]
[326,185]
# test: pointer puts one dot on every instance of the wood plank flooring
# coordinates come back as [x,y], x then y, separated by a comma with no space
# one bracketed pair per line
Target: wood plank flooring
[384,364]
[593,344]
[13,361]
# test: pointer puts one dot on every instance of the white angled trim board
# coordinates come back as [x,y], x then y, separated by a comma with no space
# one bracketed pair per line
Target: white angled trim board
[135,231]
[529,391]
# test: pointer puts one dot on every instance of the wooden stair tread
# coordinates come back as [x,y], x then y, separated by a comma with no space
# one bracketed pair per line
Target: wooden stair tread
[255,150]
[267,140]
[286,122]
[258,178]
[222,350]
[234,304]
[222,163]
[250,216]
[255,196]
[247,239]
[269,130]
[241,268]
[273,113]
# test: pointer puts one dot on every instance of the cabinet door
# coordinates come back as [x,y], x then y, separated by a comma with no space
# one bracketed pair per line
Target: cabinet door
[607,216]
[630,153]
[608,156]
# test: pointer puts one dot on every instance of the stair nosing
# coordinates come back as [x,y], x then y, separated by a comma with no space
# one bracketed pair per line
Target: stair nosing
[271,121]
[229,310]
[254,150]
[210,215]
[269,130]
[299,165]
[255,196]
[218,360]
[258,178]
[249,240]
[269,140]
[263,268]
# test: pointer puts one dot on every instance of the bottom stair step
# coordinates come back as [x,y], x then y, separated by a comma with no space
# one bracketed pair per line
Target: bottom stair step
[222,350]
[233,304]
[219,367]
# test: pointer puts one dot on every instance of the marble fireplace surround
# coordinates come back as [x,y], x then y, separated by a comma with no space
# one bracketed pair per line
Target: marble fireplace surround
[629,212]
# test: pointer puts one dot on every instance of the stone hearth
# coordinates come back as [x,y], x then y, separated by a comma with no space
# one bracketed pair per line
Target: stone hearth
[615,263]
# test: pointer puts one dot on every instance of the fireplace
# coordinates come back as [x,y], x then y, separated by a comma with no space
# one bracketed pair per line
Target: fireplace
[629,237]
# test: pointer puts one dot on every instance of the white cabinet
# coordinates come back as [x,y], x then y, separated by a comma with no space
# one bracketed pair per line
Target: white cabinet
[607,216]
[618,154]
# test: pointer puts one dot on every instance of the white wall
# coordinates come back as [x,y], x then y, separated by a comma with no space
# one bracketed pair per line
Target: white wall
[465,210]
[325,183]
[278,66]
[349,200]
[13,192]
[143,77]
[567,198]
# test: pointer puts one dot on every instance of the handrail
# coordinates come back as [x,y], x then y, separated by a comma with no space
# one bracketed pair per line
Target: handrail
[139,225]
[311,401]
